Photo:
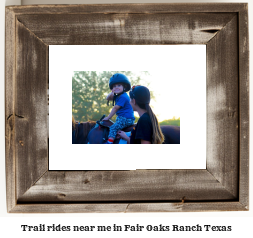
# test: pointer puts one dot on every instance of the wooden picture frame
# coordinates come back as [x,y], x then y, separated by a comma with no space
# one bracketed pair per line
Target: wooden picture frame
[222,186]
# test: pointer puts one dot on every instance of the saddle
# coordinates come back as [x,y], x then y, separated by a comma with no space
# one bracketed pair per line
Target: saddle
[103,126]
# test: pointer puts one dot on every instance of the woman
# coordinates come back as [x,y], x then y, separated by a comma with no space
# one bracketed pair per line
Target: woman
[147,130]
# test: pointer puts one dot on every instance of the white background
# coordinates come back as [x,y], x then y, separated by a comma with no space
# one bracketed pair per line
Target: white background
[10,223]
[186,76]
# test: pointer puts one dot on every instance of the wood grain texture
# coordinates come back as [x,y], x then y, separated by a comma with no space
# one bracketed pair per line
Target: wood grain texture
[155,8]
[222,187]
[31,109]
[139,185]
[125,29]
[222,107]
[128,207]
[9,108]
[186,207]
[244,106]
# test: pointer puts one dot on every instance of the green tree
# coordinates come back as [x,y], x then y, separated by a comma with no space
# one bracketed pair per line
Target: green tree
[89,91]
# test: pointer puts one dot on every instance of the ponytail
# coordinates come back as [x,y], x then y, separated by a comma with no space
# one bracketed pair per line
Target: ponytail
[141,94]
[157,137]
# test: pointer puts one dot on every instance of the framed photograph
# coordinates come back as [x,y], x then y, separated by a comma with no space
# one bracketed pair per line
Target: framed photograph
[173,93]
[32,35]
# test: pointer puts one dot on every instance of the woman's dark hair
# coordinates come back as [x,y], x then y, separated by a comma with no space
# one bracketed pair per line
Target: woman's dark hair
[141,94]
[157,137]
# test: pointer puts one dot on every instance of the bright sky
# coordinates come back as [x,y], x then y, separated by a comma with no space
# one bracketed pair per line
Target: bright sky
[166,91]
[171,85]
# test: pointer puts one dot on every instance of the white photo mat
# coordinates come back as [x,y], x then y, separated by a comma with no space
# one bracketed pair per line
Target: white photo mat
[184,70]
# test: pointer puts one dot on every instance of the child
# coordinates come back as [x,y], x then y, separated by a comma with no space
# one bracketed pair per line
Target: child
[119,84]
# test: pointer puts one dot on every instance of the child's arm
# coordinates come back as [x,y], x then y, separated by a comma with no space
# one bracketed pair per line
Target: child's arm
[113,111]
[110,96]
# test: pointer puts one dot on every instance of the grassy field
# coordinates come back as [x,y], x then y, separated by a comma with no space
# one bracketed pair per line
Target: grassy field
[173,122]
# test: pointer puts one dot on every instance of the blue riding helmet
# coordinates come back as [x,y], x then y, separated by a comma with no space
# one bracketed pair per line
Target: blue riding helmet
[120,78]
[140,93]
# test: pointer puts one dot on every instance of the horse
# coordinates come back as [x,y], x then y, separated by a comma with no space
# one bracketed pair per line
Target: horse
[80,131]
[171,134]
[97,132]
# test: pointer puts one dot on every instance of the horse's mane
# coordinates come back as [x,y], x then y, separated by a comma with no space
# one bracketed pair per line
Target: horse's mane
[73,123]
[81,130]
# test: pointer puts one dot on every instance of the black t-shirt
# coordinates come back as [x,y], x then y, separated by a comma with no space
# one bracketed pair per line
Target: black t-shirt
[142,131]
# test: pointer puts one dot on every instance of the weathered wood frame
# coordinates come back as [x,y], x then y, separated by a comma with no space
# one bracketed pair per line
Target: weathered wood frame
[222,186]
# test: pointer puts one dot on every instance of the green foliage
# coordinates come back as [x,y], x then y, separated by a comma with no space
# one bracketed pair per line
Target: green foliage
[172,122]
[89,92]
